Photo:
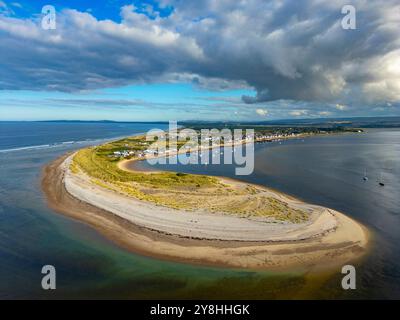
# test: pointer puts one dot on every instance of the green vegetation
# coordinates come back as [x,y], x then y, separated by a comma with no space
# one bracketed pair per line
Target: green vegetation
[96,163]
[176,190]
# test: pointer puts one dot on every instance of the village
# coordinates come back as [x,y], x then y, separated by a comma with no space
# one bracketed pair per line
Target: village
[144,148]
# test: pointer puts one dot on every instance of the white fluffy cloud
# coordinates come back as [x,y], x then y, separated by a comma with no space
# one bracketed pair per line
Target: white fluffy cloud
[298,113]
[325,113]
[262,112]
[289,49]
[340,107]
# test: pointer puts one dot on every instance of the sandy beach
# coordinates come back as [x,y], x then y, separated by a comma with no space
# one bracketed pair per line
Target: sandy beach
[329,239]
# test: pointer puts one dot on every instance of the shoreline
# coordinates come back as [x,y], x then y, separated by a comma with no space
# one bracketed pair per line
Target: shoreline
[348,241]
[123,164]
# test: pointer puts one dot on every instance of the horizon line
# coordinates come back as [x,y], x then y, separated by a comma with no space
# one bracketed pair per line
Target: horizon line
[210,121]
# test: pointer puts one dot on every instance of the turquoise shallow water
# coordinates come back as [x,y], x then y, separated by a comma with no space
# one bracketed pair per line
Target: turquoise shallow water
[325,171]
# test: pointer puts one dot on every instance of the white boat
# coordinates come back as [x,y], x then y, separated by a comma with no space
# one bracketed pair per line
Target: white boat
[365,178]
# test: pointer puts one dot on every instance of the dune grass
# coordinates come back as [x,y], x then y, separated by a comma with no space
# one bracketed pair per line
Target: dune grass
[178,190]
[97,165]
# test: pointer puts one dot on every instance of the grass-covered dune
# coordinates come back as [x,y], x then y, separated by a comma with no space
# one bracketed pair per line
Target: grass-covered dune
[178,190]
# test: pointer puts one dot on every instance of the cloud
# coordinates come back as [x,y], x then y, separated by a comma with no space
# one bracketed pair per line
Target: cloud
[98,102]
[5,9]
[16,4]
[340,107]
[325,113]
[286,50]
[298,113]
[262,112]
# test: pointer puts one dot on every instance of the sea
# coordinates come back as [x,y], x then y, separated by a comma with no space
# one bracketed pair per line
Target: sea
[325,170]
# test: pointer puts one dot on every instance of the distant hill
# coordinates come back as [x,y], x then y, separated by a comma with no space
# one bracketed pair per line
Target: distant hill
[100,121]
[359,122]
[352,122]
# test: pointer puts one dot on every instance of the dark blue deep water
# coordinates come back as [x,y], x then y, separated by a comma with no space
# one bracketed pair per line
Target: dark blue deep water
[323,170]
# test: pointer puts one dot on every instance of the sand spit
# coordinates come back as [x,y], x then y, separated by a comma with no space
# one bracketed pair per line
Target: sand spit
[328,239]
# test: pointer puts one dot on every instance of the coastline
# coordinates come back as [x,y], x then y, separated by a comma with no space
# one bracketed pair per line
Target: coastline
[124,163]
[347,241]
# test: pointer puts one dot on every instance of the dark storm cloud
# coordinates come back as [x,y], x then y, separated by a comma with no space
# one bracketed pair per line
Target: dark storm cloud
[290,49]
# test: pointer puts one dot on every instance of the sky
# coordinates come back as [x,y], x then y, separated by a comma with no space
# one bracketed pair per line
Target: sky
[228,60]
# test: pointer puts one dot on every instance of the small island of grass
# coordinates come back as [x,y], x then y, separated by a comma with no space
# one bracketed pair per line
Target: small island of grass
[179,190]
